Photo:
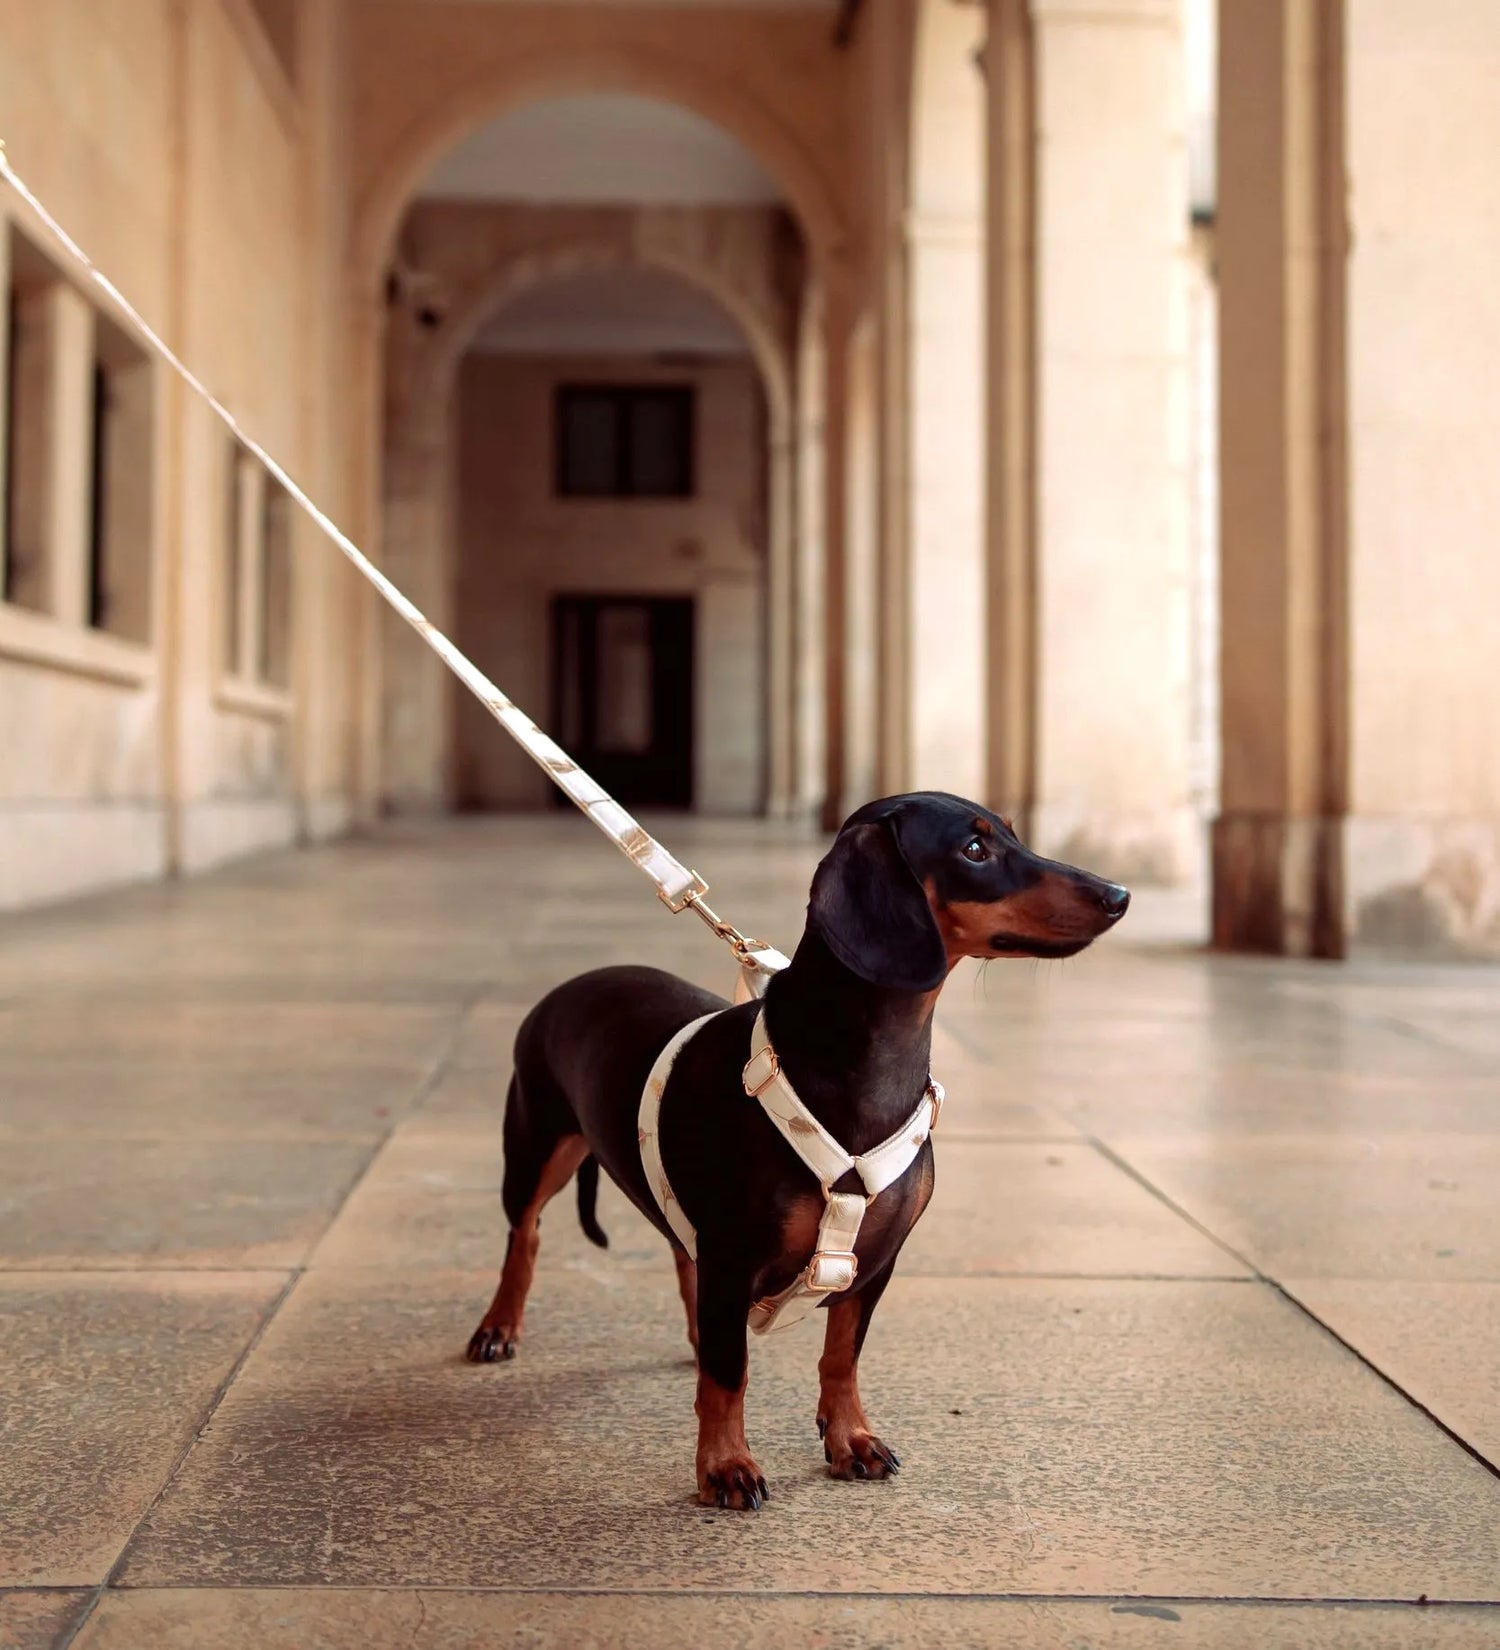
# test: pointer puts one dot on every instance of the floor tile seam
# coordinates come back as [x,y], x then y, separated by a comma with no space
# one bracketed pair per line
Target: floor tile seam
[434,1074]
[1490,1466]
[437,1069]
[96,1268]
[1285,1293]
[1419,1034]
[1269,1601]
[257,1334]
[912,1273]
[1110,1155]
[637,1271]
[119,1137]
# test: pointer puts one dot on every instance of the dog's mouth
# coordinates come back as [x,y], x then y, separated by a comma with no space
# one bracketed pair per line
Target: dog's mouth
[1018,945]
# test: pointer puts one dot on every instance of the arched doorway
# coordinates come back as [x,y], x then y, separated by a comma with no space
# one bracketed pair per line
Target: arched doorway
[655,261]
[611,540]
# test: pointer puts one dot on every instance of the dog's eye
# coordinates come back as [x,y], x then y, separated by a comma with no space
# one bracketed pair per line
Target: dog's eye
[974,849]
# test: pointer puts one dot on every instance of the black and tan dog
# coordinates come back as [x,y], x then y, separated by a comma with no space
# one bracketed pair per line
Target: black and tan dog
[911,885]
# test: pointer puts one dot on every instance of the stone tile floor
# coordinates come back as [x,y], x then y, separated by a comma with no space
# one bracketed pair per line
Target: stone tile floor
[1199,1343]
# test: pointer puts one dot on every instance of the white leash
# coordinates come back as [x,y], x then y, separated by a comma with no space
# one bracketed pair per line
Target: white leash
[677,887]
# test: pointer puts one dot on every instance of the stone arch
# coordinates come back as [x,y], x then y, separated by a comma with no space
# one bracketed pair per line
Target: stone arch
[456,112]
[534,268]
[421,455]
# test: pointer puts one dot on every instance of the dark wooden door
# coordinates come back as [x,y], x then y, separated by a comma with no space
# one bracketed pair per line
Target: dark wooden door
[623,693]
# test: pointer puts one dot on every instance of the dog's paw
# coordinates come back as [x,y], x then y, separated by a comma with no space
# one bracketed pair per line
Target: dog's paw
[856,1454]
[489,1346]
[734,1482]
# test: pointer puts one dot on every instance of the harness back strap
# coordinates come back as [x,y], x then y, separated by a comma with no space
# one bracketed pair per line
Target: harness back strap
[648,1132]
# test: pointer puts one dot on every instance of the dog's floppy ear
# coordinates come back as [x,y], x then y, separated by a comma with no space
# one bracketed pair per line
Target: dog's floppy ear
[869,909]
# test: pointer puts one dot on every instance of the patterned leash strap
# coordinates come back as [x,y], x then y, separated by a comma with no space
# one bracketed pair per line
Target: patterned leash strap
[677,887]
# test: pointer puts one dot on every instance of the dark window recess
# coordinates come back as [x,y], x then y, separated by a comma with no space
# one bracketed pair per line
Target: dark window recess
[9,574]
[624,441]
[99,501]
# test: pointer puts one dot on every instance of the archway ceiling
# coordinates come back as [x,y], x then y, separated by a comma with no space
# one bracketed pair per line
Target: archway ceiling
[614,311]
[602,149]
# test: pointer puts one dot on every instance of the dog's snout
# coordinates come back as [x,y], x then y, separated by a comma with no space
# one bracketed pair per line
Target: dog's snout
[1114,899]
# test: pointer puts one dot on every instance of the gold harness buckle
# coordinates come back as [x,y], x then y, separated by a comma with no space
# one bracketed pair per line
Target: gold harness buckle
[768,1054]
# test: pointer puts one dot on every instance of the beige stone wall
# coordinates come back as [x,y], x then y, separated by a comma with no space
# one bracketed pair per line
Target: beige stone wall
[211,188]
[519,545]
[1422,856]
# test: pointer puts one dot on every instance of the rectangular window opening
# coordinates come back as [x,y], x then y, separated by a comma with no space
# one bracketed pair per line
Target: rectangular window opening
[121,483]
[275,649]
[233,565]
[29,393]
[624,441]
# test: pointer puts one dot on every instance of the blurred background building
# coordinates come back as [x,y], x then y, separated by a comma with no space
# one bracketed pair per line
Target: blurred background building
[1086,405]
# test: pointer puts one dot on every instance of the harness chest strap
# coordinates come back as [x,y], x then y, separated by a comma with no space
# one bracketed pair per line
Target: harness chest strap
[834,1264]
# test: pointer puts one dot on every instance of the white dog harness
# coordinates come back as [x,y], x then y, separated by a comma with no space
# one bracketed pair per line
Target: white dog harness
[834,1264]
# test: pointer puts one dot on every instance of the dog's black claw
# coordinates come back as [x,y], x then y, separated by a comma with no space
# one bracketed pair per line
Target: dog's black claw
[486,1347]
[828,1455]
[760,1484]
[860,1469]
[723,1495]
[822,1426]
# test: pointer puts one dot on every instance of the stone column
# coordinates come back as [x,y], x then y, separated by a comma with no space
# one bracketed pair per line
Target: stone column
[1010,381]
[1280,240]
[810,736]
[934,647]
[1361,327]
[1109,646]
[859,540]
[781,573]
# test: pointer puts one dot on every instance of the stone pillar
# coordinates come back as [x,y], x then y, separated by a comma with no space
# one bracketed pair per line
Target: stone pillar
[1109,650]
[1280,237]
[810,735]
[366,688]
[417,691]
[1362,754]
[933,735]
[781,573]
[860,681]
[1010,355]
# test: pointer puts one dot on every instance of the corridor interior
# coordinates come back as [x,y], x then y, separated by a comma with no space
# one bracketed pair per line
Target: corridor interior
[1197,1342]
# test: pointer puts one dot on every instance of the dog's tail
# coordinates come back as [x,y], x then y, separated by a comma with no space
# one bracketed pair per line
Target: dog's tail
[588,1191]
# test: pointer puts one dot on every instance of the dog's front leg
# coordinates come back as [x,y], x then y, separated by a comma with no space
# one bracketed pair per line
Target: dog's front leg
[849,1446]
[727,1473]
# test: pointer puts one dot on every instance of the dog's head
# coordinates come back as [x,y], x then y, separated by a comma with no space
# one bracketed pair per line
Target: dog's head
[914,883]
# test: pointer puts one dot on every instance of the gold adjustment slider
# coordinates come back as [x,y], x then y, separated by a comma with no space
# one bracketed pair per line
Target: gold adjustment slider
[815,1284]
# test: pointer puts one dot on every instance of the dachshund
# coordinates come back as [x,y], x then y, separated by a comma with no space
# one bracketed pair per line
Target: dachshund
[911,885]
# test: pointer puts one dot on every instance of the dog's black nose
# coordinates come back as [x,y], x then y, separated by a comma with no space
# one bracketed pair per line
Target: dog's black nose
[1114,899]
